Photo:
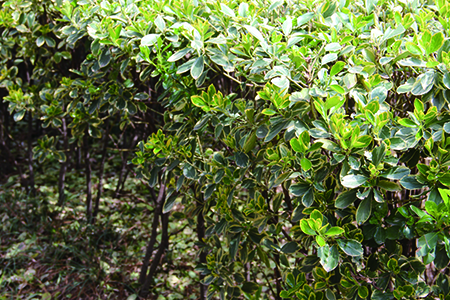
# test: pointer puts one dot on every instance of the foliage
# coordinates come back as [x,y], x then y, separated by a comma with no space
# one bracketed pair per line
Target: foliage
[307,143]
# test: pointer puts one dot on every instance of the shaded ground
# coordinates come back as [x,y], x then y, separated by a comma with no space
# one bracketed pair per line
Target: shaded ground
[50,253]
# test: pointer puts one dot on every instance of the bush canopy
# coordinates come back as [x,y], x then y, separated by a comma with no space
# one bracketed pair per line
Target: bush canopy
[306,142]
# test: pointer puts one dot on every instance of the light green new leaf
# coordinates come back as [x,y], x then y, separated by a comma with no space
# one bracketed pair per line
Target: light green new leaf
[337,88]
[306,228]
[413,48]
[407,123]
[338,66]
[305,163]
[320,241]
[436,43]
[333,231]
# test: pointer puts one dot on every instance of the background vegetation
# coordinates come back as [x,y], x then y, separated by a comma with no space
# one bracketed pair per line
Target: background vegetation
[235,150]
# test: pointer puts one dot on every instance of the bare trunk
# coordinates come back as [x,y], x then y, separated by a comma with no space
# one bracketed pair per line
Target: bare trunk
[78,158]
[151,244]
[124,173]
[202,257]
[88,177]
[30,155]
[163,245]
[102,169]
[277,275]
[63,169]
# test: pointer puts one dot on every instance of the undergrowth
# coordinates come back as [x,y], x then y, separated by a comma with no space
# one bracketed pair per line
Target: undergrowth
[47,252]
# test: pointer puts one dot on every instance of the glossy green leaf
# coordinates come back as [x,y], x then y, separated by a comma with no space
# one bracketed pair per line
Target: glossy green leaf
[364,210]
[255,32]
[289,247]
[345,199]
[410,182]
[250,287]
[305,163]
[149,39]
[160,23]
[306,228]
[227,10]
[333,231]
[197,67]
[350,247]
[287,26]
[337,67]
[104,59]
[179,54]
[353,181]
[308,197]
[299,189]
[329,58]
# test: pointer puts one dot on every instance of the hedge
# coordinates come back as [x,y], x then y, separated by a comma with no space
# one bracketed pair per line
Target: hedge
[307,142]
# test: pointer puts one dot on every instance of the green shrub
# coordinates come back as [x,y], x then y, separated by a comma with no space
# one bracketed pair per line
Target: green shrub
[308,142]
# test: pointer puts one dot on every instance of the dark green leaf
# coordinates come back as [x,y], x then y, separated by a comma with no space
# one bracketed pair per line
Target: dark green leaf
[250,287]
[378,154]
[168,204]
[329,257]
[345,199]
[299,189]
[290,247]
[104,59]
[241,159]
[388,186]
[410,182]
[350,247]
[364,210]
[308,197]
[179,54]
[274,130]
[353,181]
[396,173]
